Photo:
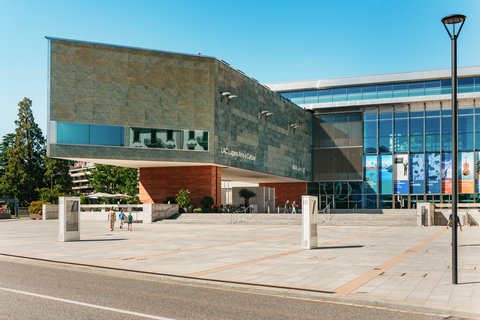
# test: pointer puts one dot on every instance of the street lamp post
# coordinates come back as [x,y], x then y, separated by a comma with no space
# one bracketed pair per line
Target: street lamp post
[453,20]
[51,180]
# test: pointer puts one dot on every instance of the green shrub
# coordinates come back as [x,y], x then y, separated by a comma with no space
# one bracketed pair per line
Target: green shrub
[36,206]
[207,202]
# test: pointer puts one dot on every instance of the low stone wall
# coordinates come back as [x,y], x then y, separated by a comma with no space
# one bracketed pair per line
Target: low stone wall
[5,215]
[159,211]
[50,211]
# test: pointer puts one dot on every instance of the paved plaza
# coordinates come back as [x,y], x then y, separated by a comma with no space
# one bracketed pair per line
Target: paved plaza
[403,268]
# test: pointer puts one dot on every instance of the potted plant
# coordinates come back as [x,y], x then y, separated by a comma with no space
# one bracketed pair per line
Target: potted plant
[207,203]
[183,199]
[246,194]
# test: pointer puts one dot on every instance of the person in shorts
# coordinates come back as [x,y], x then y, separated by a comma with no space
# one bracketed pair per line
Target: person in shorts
[121,217]
[450,223]
[112,217]
[130,221]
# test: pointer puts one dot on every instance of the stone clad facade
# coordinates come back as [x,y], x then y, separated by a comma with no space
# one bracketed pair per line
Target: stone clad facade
[103,85]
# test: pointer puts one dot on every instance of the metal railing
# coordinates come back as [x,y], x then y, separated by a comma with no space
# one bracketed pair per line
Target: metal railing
[326,214]
[243,215]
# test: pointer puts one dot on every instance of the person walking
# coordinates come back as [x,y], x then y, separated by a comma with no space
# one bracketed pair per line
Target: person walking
[112,217]
[287,206]
[294,206]
[130,221]
[121,217]
[450,223]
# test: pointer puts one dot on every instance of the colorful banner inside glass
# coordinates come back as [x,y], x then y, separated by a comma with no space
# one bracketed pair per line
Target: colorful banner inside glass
[385,174]
[477,172]
[400,183]
[370,168]
[417,173]
[466,172]
[432,172]
[446,173]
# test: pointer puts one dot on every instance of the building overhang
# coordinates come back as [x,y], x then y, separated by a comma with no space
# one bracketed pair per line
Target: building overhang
[228,173]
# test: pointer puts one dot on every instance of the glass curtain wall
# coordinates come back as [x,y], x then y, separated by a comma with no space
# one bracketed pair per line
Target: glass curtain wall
[405,157]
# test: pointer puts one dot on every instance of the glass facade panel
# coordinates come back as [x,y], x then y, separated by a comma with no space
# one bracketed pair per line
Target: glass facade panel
[325,95]
[118,136]
[339,94]
[73,133]
[297,97]
[384,91]
[400,90]
[416,134]
[446,130]
[432,134]
[311,96]
[432,87]
[106,135]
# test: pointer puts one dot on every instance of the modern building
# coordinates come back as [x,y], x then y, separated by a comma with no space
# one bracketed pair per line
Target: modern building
[191,121]
[79,172]
[385,141]
[186,121]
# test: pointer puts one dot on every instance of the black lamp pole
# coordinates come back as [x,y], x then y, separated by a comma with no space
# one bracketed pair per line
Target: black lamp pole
[453,20]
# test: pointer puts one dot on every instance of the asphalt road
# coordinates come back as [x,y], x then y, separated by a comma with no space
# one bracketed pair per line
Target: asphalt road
[38,290]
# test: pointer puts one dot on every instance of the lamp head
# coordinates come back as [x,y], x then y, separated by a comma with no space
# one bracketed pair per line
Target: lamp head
[454,18]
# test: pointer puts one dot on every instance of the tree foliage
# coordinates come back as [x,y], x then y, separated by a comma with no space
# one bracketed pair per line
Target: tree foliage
[57,174]
[24,170]
[51,196]
[7,143]
[246,194]
[112,179]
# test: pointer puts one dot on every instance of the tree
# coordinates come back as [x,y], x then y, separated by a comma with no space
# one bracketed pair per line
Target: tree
[7,143]
[24,170]
[246,194]
[57,173]
[112,179]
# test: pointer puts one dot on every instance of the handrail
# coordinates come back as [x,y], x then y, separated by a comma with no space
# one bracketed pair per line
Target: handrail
[235,215]
[325,211]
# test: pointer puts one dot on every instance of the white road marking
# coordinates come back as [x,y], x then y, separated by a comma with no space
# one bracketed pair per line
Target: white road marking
[86,304]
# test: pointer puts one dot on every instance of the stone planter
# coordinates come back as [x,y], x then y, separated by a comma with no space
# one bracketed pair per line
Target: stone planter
[35,216]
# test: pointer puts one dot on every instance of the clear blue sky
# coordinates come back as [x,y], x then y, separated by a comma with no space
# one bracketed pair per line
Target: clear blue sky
[271,41]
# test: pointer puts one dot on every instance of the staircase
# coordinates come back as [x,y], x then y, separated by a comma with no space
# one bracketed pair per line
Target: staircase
[404,218]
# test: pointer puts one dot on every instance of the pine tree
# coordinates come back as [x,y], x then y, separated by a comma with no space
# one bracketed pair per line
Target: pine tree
[24,170]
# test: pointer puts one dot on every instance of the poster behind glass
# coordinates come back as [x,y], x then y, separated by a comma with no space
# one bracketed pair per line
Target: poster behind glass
[477,172]
[71,215]
[446,173]
[432,172]
[370,166]
[400,185]
[385,174]
[466,172]
[417,173]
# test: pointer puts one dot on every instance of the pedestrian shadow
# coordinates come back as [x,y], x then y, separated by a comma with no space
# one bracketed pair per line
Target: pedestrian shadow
[338,247]
[473,282]
[100,240]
